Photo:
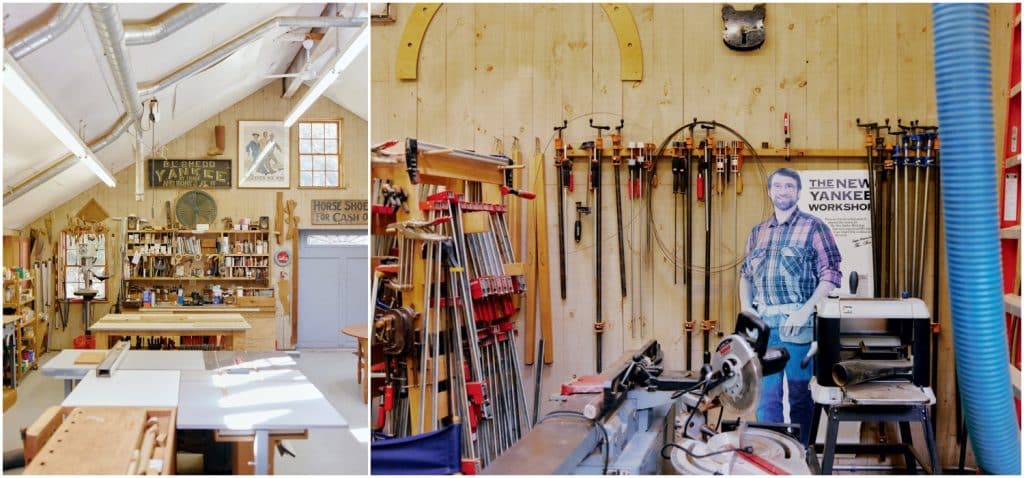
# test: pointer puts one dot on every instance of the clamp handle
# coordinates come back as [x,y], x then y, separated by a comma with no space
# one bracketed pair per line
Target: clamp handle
[565,124]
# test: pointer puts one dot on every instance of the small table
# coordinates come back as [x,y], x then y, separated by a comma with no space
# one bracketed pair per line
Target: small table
[899,402]
[362,335]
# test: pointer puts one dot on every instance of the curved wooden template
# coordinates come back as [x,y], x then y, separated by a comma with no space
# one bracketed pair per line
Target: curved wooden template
[631,56]
[412,39]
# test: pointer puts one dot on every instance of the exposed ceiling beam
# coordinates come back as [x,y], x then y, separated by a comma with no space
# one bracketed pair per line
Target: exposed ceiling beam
[151,88]
[291,85]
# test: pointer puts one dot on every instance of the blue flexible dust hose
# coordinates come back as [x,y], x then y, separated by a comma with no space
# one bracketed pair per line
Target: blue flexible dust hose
[970,214]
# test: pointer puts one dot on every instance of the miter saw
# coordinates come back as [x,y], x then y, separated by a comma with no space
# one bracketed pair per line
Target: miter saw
[638,412]
[733,380]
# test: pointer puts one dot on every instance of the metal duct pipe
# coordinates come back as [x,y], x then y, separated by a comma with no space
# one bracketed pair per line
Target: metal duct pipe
[66,162]
[151,88]
[25,41]
[111,32]
[156,29]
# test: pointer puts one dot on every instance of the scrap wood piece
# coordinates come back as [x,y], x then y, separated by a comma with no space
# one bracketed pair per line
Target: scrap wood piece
[90,358]
[279,218]
[92,212]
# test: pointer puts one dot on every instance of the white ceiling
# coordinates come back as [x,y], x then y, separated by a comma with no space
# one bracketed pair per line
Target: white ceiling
[73,73]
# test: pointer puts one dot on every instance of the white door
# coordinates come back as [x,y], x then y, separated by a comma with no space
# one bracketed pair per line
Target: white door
[333,288]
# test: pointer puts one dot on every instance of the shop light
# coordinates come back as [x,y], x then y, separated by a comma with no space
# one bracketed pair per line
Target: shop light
[359,43]
[21,86]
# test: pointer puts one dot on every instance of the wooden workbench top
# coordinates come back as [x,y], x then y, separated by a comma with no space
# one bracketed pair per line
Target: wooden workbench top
[177,322]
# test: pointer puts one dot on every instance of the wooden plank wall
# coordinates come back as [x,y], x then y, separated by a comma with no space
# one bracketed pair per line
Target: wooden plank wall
[491,71]
[264,104]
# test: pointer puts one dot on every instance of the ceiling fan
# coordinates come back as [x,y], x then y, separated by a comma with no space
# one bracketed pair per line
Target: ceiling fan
[311,69]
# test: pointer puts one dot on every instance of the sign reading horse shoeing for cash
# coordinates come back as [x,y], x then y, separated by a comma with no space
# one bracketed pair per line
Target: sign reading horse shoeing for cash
[340,212]
[190,173]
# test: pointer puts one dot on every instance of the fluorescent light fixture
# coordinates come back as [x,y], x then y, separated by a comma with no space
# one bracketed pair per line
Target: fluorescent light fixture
[21,86]
[359,43]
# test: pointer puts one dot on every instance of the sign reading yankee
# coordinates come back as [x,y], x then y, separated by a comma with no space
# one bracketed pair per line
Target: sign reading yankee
[340,212]
[190,173]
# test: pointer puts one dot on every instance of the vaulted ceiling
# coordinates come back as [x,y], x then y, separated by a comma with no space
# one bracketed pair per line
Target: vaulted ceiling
[74,75]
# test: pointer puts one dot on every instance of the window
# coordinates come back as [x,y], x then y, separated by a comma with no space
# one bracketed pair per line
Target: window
[319,144]
[337,240]
[73,279]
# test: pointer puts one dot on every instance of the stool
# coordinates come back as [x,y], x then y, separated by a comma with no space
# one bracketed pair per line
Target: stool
[903,414]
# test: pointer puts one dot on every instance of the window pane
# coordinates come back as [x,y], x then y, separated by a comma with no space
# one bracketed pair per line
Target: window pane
[305,162]
[331,147]
[332,162]
[318,179]
[332,179]
[332,130]
[318,163]
[305,178]
[304,130]
[318,146]
[318,131]
[72,253]
[304,146]
[338,240]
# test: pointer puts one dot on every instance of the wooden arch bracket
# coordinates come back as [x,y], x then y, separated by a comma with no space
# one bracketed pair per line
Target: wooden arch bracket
[631,56]
[412,39]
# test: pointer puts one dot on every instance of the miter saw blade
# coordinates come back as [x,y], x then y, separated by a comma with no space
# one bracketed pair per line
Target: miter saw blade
[742,388]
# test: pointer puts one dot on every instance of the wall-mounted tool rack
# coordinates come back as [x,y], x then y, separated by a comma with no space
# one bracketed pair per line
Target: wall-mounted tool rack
[459,280]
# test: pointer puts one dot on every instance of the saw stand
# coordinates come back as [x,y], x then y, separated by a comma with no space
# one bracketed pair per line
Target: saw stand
[900,402]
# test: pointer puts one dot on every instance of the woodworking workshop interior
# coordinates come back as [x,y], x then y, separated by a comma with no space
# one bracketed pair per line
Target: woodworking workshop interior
[511,238]
[185,238]
[695,238]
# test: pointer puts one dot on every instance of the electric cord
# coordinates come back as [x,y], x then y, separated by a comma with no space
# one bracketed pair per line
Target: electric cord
[700,398]
[595,423]
[680,393]
[665,250]
[748,449]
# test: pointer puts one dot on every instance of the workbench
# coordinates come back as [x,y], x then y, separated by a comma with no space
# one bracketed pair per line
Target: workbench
[241,396]
[229,328]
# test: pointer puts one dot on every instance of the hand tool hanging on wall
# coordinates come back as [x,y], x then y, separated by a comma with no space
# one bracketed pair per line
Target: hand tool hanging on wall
[931,148]
[898,163]
[616,161]
[876,250]
[884,155]
[595,185]
[688,226]
[677,186]
[706,324]
[562,170]
[913,153]
[785,130]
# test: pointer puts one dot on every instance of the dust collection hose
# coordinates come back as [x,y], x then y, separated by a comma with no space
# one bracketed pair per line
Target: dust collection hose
[969,204]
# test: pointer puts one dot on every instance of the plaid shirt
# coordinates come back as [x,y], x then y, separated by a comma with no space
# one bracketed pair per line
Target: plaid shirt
[785,262]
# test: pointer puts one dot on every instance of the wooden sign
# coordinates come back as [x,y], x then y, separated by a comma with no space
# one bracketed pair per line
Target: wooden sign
[190,173]
[340,212]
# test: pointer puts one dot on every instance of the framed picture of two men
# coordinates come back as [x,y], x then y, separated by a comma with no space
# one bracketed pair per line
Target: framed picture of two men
[264,154]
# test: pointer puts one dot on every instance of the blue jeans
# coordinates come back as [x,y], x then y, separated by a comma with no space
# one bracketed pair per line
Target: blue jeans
[801,406]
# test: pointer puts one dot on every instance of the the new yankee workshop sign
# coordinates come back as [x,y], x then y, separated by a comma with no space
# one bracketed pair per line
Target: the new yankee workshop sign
[190,173]
[842,199]
[340,212]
